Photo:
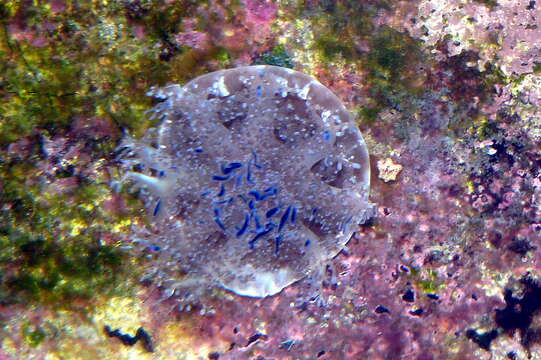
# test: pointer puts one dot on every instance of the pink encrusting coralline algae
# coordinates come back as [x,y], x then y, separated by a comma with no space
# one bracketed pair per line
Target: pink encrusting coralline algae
[256,177]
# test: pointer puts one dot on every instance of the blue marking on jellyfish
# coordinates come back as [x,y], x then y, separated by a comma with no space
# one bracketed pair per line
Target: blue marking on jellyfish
[157,207]
[250,198]
[255,162]
[222,191]
[249,175]
[258,226]
[326,135]
[283,220]
[293,217]
[154,247]
[251,204]
[244,227]
[256,195]
[161,173]
[259,196]
[228,201]
[198,150]
[271,191]
[314,214]
[272,212]
[231,167]
[259,235]
[220,223]
[277,242]
[259,90]
[307,243]
[220,178]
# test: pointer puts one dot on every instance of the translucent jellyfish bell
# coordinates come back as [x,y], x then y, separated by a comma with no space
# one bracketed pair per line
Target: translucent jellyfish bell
[256,177]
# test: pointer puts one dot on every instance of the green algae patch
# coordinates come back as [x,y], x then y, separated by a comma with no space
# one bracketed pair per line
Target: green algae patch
[393,79]
[33,335]
[427,280]
[367,115]
[60,65]
[34,98]
[431,284]
[53,249]
[341,24]
[390,54]
[484,128]
[390,62]
[330,48]
[277,57]
[74,73]
[42,269]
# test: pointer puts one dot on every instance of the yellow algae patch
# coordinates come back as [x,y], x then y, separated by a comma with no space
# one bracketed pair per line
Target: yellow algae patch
[182,344]
[76,226]
[125,313]
[121,226]
[9,346]
[173,340]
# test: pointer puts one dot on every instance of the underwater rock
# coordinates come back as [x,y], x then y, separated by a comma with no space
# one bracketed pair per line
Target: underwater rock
[255,178]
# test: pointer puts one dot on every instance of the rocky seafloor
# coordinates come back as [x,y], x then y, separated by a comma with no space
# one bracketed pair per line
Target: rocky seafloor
[446,93]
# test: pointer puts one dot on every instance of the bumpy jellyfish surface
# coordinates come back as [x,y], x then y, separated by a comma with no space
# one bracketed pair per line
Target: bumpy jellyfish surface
[256,176]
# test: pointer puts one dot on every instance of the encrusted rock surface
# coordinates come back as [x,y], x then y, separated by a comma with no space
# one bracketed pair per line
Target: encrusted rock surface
[449,268]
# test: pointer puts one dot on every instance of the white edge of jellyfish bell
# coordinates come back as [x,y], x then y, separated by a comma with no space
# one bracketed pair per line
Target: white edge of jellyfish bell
[262,284]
